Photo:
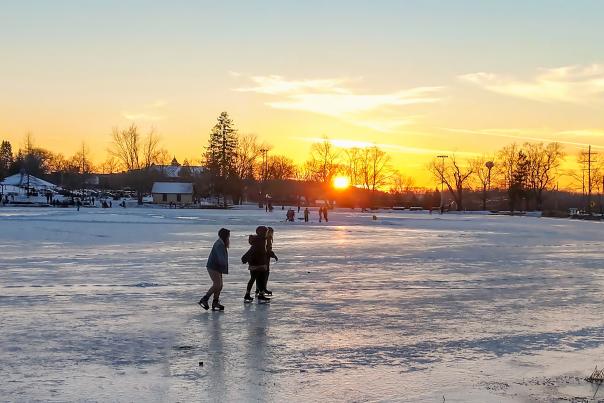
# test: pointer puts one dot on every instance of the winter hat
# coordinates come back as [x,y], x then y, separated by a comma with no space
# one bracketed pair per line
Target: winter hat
[261,230]
[224,234]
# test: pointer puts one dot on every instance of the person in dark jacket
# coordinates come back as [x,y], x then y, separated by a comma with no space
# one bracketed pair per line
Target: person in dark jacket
[217,265]
[269,254]
[256,258]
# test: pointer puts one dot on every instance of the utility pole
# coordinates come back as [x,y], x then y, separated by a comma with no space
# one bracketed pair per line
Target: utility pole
[442,180]
[589,179]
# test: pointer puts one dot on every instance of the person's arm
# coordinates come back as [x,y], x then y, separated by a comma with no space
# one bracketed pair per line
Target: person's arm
[246,257]
[272,254]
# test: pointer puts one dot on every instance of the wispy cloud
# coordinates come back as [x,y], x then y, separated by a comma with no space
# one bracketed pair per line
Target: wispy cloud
[345,143]
[575,84]
[534,135]
[159,103]
[141,116]
[275,84]
[332,97]
[149,112]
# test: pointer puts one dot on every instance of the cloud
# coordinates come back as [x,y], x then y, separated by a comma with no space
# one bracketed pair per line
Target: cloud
[331,97]
[345,143]
[275,84]
[160,103]
[574,84]
[148,113]
[141,116]
[536,135]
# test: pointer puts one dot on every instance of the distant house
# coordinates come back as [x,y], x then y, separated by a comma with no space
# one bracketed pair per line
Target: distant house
[172,192]
[176,170]
[23,182]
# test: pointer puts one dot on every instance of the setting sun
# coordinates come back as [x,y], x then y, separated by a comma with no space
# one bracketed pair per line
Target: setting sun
[341,182]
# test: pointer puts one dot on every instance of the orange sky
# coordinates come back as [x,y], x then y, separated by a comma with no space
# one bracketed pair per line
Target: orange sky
[417,78]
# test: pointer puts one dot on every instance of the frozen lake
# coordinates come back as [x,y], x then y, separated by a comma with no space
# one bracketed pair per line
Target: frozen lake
[101,305]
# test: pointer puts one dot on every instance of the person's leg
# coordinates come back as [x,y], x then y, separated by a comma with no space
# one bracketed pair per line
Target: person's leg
[216,283]
[218,288]
[266,274]
[250,283]
[261,282]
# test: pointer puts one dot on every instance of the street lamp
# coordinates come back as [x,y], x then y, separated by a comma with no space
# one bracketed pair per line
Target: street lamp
[489,165]
[442,179]
[263,151]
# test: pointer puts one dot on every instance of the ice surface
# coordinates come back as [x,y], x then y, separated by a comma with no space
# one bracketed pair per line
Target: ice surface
[101,305]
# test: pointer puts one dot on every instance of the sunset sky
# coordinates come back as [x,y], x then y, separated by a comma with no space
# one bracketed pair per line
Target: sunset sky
[418,78]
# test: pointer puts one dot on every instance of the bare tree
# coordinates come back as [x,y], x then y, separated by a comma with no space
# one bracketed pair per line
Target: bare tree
[543,163]
[280,168]
[82,160]
[323,164]
[400,183]
[375,168]
[136,154]
[133,150]
[247,154]
[454,175]
[110,165]
[482,167]
[353,165]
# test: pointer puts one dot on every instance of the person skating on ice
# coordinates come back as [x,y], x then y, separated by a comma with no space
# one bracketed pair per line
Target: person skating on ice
[269,254]
[217,265]
[256,258]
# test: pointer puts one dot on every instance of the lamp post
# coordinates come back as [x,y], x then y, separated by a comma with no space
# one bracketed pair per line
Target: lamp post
[264,151]
[442,179]
[489,165]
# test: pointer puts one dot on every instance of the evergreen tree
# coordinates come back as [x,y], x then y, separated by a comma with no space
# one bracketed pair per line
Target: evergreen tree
[222,146]
[185,170]
[6,158]
[519,185]
[220,155]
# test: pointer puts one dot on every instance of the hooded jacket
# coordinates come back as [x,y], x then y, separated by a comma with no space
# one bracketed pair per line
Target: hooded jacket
[219,258]
[256,255]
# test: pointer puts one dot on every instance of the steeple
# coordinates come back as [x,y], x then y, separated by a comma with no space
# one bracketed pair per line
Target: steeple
[174,162]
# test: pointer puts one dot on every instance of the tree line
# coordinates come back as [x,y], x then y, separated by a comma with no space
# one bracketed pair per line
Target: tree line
[241,165]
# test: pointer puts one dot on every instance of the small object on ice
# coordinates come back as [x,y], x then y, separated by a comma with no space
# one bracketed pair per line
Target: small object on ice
[597,376]
[201,363]
[374,218]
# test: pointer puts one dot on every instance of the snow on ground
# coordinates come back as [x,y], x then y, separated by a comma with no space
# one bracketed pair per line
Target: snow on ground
[101,305]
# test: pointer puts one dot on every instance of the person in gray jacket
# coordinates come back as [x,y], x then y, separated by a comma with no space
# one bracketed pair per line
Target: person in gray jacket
[217,265]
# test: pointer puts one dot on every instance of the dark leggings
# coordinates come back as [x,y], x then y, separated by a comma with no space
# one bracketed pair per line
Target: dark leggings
[258,276]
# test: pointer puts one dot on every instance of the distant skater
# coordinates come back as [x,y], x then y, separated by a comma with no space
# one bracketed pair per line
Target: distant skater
[269,254]
[256,258]
[325,214]
[217,265]
[320,214]
[306,214]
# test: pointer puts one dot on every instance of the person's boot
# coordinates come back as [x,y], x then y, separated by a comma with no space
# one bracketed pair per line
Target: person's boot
[203,302]
[247,298]
[268,292]
[262,298]
[216,306]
